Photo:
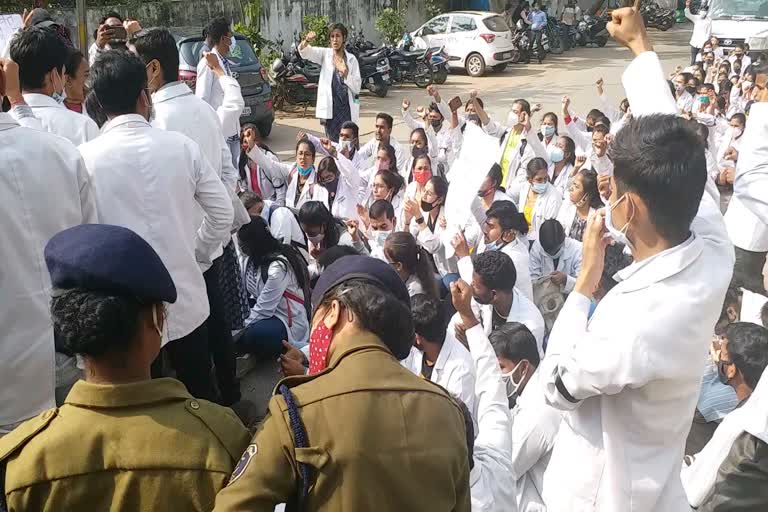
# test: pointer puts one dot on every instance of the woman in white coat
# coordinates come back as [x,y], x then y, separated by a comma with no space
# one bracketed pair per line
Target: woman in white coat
[539,199]
[299,176]
[338,185]
[490,192]
[562,159]
[338,94]
[276,277]
[582,201]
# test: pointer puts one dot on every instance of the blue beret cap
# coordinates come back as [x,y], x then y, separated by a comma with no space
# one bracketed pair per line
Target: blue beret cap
[370,269]
[112,259]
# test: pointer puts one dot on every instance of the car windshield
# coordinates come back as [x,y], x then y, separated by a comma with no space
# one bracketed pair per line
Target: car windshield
[241,53]
[496,24]
[726,9]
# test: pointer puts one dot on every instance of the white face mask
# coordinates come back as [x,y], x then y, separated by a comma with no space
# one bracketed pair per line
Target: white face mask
[619,235]
[346,145]
[378,237]
[59,97]
[512,386]
[317,239]
[513,119]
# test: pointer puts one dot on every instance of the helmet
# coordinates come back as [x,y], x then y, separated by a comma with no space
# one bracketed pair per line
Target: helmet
[278,66]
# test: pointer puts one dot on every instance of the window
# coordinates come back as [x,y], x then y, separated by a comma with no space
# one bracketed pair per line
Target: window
[496,24]
[438,25]
[462,24]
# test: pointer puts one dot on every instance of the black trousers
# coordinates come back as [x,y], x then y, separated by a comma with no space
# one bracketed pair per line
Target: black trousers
[536,44]
[694,53]
[220,344]
[190,359]
[748,270]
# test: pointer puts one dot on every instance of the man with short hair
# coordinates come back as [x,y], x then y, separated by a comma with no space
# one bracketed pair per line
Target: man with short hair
[384,124]
[383,222]
[155,182]
[209,87]
[41,55]
[348,145]
[105,37]
[538,25]
[628,396]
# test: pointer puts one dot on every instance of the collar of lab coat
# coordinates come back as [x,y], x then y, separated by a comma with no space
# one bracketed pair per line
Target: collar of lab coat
[123,120]
[107,396]
[170,91]
[7,122]
[660,266]
[35,100]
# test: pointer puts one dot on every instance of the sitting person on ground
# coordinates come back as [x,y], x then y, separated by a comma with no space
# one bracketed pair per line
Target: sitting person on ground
[121,439]
[282,221]
[412,263]
[324,231]
[556,256]
[382,223]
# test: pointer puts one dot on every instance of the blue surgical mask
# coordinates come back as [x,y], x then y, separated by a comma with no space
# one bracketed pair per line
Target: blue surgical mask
[493,246]
[619,235]
[539,188]
[305,172]
[547,130]
[379,237]
[555,154]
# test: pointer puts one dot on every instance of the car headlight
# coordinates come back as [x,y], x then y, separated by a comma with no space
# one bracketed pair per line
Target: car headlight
[758,42]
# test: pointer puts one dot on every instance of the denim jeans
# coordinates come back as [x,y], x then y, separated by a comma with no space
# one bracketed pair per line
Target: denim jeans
[263,339]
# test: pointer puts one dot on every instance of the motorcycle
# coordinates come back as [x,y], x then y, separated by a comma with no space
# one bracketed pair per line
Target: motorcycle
[374,71]
[439,64]
[410,66]
[592,30]
[658,17]
[293,79]
[552,34]
[521,41]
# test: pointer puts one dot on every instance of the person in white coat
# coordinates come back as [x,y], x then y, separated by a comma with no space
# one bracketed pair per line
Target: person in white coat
[338,93]
[628,400]
[437,355]
[556,256]
[338,184]
[384,123]
[210,88]
[534,424]
[34,162]
[348,145]
[254,177]
[492,486]
[282,221]
[41,56]
[561,156]
[495,299]
[155,182]
[276,277]
[490,191]
[702,28]
[437,127]
[582,202]
[412,263]
[300,176]
[539,200]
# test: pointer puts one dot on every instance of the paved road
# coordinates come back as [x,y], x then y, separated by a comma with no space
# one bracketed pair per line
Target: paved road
[573,73]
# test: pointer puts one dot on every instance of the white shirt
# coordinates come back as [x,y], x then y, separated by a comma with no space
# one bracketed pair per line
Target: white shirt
[324,57]
[44,189]
[211,89]
[232,103]
[368,154]
[702,28]
[432,241]
[684,102]
[567,214]
[547,207]
[272,187]
[284,226]
[56,118]
[441,142]
[516,172]
[569,263]
[478,208]
[751,182]
[491,483]
[633,397]
[154,182]
[745,228]
[534,428]
[414,286]
[563,180]
[285,173]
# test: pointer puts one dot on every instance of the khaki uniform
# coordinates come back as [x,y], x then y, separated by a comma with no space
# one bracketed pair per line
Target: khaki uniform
[145,446]
[379,437]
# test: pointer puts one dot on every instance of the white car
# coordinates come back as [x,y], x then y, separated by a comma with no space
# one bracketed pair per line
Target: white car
[473,40]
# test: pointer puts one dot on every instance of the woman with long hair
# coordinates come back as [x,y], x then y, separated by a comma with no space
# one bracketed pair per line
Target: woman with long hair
[254,177]
[299,175]
[276,277]
[562,158]
[325,231]
[412,263]
[548,131]
[583,199]
[490,191]
[539,199]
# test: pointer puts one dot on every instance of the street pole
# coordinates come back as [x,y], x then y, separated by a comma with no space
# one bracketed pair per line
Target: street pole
[82,25]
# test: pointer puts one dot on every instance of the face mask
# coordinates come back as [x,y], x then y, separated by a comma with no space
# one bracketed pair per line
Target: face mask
[319,343]
[737,132]
[346,145]
[428,207]
[691,90]
[558,253]
[436,124]
[305,172]
[485,193]
[619,235]
[513,119]
[547,130]
[378,237]
[331,185]
[417,151]
[539,188]
[721,372]
[422,177]
[381,166]
[317,239]
[555,154]
[746,85]
[512,386]
[704,100]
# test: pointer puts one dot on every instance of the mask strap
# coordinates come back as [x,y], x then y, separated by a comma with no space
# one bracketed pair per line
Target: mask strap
[155,322]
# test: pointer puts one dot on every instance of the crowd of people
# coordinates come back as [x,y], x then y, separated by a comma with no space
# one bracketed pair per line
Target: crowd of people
[544,312]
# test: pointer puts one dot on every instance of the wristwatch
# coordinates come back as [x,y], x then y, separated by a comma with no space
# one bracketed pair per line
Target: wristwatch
[420,220]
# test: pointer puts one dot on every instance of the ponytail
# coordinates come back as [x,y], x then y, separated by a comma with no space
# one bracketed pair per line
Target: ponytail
[425,274]
[401,247]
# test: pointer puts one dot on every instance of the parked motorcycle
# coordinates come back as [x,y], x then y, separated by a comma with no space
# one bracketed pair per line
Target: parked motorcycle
[375,71]
[592,30]
[439,64]
[521,41]
[293,79]
[658,17]
[552,34]
[410,66]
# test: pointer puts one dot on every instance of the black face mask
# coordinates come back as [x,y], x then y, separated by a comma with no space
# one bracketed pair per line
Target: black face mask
[331,185]
[691,90]
[428,207]
[416,152]
[436,123]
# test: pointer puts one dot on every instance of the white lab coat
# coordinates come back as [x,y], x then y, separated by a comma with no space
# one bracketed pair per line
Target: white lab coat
[284,226]
[751,307]
[547,207]
[518,164]
[153,182]
[453,370]
[272,187]
[563,180]
[432,241]
[629,398]
[567,214]
[286,173]
[542,264]
[360,163]
[177,109]
[702,28]
[278,298]
[347,191]
[534,428]
[221,94]
[56,118]
[440,143]
[44,189]
[368,154]
[684,102]
[324,57]
[478,208]
[517,250]
[750,185]
[492,486]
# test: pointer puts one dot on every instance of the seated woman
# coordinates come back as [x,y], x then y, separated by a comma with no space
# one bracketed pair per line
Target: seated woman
[254,177]
[276,277]
[412,263]
[421,170]
[387,186]
[556,256]
[299,176]
[582,201]
[562,158]
[539,199]
[325,231]
[121,439]
[490,192]
[421,144]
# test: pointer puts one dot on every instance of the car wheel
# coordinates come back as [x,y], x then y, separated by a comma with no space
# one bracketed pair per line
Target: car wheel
[500,67]
[265,128]
[424,76]
[475,65]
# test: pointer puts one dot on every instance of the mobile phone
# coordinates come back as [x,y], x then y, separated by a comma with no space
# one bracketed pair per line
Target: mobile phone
[455,104]
[117,35]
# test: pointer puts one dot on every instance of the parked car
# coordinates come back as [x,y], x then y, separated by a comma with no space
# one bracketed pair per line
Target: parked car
[473,40]
[248,71]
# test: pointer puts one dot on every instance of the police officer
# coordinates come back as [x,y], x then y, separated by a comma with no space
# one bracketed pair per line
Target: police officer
[120,441]
[360,432]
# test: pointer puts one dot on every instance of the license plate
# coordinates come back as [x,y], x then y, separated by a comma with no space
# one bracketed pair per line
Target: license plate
[246,111]
[370,80]
[506,55]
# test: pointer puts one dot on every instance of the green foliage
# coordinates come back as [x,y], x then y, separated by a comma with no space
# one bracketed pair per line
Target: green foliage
[434,7]
[319,25]
[266,50]
[391,25]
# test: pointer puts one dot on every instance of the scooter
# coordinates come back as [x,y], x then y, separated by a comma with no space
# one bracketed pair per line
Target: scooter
[658,17]
[293,80]
[592,30]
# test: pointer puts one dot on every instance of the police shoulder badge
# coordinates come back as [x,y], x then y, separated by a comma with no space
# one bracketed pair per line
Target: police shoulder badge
[243,463]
